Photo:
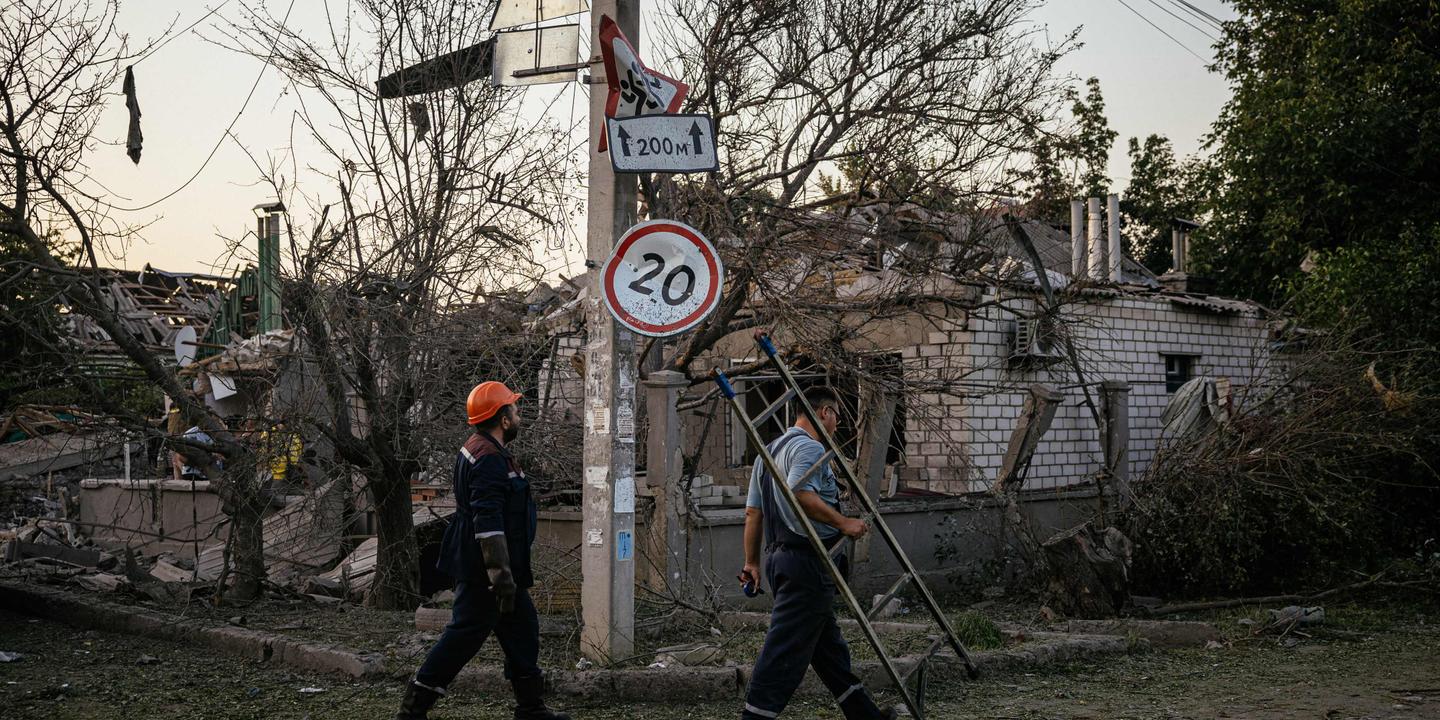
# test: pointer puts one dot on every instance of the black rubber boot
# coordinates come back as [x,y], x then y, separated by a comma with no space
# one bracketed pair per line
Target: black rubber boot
[417,701]
[860,705]
[529,700]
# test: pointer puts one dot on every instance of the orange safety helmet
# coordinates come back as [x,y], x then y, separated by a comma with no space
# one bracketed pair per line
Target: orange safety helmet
[486,399]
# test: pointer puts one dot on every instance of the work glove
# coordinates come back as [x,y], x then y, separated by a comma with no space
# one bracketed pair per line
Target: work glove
[497,566]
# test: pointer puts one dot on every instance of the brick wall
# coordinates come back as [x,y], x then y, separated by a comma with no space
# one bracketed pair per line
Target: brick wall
[956,439]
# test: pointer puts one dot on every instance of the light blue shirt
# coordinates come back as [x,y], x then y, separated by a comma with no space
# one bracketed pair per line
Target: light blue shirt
[795,460]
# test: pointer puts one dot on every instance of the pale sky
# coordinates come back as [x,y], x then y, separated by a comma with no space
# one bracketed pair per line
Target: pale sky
[191,89]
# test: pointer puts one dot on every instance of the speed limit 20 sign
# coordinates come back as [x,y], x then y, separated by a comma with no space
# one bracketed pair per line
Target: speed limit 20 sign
[663,278]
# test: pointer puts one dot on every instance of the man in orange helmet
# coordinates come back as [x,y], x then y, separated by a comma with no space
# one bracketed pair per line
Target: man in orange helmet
[487,550]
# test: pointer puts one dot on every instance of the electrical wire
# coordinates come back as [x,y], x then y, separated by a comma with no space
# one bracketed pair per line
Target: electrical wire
[1161,30]
[1171,13]
[1201,13]
[1203,19]
[223,135]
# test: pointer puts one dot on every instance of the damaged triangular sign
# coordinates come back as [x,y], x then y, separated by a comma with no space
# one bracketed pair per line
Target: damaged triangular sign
[634,89]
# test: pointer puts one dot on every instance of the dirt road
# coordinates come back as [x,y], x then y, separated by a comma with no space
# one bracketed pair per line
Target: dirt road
[1367,665]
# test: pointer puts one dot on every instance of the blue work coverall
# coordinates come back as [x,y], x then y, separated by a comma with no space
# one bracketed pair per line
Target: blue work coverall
[491,496]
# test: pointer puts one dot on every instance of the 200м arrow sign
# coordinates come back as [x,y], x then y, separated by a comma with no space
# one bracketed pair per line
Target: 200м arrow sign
[662,143]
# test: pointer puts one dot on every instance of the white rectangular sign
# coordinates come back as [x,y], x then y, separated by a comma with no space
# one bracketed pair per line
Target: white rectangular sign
[662,143]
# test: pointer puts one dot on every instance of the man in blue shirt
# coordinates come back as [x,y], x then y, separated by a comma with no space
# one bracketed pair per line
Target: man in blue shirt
[487,550]
[803,632]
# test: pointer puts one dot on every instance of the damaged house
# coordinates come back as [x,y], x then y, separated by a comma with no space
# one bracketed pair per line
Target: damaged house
[944,385]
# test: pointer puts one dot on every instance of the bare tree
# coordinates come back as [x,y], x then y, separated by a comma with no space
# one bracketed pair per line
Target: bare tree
[60,62]
[432,204]
[917,103]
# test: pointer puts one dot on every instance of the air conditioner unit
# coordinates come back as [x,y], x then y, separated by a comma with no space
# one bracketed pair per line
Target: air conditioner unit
[1035,339]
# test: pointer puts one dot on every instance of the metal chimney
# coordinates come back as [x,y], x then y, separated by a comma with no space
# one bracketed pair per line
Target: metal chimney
[1078,254]
[267,228]
[1095,231]
[1113,211]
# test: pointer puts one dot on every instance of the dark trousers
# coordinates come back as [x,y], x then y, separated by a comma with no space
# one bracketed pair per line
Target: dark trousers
[476,616]
[802,634]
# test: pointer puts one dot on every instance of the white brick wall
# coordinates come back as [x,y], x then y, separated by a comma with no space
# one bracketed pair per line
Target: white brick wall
[956,444]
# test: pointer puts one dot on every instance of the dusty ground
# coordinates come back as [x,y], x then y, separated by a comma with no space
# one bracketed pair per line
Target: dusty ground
[1378,662]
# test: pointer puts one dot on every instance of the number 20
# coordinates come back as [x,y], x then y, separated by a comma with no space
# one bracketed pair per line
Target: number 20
[639,284]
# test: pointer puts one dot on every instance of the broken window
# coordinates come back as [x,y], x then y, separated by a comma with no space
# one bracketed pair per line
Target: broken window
[764,388]
[1179,369]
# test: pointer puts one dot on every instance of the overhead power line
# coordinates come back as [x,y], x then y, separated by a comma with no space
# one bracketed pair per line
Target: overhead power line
[1171,13]
[1201,13]
[1203,19]
[1161,30]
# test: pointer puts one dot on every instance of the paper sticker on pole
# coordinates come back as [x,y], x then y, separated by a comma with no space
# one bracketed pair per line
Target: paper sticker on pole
[663,278]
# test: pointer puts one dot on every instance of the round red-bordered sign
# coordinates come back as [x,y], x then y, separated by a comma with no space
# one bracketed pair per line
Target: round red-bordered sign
[663,278]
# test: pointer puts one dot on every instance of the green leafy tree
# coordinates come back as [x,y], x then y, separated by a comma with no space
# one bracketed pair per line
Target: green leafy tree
[1329,141]
[1161,189]
[1070,164]
[1089,147]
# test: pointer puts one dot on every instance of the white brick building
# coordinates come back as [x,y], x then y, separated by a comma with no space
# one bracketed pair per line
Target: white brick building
[1153,341]
[966,390]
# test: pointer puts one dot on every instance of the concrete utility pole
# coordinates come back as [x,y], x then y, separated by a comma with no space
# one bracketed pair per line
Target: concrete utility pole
[608,546]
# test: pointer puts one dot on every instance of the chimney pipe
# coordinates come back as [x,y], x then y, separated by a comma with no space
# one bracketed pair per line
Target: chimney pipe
[267,228]
[1113,210]
[1078,254]
[1177,250]
[1095,231]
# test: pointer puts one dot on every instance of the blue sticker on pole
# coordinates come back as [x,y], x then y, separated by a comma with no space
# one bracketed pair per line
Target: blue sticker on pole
[624,546]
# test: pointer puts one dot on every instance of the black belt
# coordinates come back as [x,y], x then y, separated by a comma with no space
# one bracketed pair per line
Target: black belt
[804,544]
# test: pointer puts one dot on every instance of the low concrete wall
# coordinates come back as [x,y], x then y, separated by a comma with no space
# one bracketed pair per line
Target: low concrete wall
[953,541]
[152,515]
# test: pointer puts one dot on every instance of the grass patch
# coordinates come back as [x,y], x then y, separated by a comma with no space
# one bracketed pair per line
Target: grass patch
[977,631]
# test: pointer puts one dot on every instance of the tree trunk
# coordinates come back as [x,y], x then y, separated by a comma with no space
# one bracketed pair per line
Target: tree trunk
[397,582]
[1089,572]
[247,536]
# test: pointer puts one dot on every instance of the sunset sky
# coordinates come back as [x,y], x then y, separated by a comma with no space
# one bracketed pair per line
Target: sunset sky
[190,90]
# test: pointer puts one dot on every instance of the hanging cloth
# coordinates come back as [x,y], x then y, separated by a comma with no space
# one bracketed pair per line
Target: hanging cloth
[134,139]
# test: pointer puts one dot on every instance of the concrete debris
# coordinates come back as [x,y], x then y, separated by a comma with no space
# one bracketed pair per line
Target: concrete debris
[1296,615]
[168,572]
[891,609]
[101,582]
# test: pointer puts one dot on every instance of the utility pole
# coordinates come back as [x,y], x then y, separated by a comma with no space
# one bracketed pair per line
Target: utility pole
[608,546]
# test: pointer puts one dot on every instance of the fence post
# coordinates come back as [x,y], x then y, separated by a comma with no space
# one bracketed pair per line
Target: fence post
[1117,436]
[666,529]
